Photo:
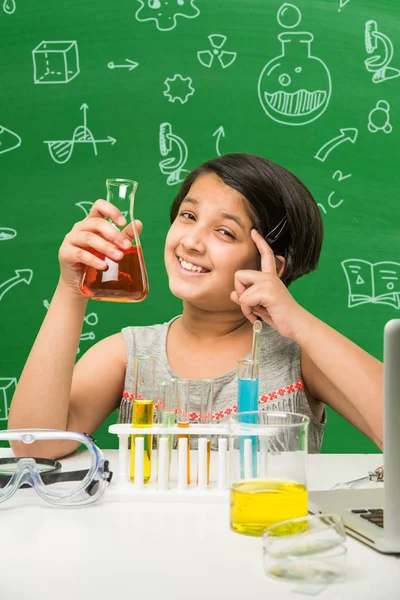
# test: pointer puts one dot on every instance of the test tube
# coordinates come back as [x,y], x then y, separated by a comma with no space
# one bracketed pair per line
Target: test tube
[183,403]
[143,410]
[166,412]
[206,408]
[248,372]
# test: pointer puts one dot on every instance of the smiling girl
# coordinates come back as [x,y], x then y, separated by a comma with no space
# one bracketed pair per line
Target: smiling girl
[221,265]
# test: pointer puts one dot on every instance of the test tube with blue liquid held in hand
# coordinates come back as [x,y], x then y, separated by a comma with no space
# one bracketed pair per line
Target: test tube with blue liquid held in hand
[248,401]
[143,410]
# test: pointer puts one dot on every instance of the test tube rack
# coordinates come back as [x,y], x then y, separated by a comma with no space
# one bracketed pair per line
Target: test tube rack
[169,483]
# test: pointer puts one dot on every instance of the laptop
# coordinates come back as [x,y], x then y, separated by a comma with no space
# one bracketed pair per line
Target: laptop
[373,515]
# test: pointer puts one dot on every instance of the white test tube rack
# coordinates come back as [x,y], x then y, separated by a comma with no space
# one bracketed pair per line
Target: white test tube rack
[169,482]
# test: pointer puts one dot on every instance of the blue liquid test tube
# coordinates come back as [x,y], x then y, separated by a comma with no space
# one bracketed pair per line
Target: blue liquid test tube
[248,371]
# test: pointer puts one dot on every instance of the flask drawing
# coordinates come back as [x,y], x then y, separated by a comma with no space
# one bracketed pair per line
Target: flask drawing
[124,280]
[295,87]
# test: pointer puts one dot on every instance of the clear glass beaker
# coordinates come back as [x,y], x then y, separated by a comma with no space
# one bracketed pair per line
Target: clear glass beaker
[143,409]
[310,549]
[295,87]
[124,280]
[269,485]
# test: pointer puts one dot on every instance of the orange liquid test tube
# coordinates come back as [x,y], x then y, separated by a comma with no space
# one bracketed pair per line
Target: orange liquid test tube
[183,403]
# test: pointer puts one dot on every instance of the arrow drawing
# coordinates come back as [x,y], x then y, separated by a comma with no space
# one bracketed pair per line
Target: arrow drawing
[131,65]
[61,150]
[220,132]
[21,276]
[346,135]
[342,4]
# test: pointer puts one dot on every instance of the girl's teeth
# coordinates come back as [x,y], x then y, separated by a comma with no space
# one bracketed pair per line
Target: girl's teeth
[189,267]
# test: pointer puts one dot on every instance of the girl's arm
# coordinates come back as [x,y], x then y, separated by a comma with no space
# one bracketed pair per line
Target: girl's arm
[335,370]
[52,393]
[342,375]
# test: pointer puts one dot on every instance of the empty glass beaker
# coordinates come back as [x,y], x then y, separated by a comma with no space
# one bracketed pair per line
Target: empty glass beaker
[269,485]
[124,280]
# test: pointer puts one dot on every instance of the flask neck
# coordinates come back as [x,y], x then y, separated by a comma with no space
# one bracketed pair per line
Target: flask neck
[121,194]
[296,44]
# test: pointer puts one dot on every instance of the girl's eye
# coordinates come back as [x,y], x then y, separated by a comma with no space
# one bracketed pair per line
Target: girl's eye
[226,233]
[186,215]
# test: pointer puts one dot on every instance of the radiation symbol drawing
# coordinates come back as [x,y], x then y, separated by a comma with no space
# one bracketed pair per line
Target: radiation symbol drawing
[295,87]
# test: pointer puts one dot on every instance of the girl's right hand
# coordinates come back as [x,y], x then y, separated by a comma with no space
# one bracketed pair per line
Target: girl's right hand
[90,240]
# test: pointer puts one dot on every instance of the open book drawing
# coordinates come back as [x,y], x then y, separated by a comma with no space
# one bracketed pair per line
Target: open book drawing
[377,283]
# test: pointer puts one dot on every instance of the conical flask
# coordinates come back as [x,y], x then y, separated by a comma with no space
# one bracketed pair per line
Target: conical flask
[124,280]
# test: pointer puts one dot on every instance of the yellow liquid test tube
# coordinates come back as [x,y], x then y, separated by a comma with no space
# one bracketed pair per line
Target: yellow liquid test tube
[142,416]
[143,411]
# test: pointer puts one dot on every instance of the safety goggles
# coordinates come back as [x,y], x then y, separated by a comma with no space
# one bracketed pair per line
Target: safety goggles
[48,477]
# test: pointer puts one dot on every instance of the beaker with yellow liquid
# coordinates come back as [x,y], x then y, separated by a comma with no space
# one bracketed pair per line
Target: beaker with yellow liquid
[274,489]
[124,280]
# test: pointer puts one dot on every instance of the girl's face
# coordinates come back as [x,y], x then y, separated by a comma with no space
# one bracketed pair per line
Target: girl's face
[207,243]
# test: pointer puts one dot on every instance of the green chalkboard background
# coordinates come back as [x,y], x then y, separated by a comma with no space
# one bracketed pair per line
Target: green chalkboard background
[206,89]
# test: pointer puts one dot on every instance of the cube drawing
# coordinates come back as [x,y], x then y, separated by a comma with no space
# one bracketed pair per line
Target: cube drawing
[55,62]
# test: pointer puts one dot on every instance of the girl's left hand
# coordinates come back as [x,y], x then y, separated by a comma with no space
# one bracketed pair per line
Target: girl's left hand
[262,294]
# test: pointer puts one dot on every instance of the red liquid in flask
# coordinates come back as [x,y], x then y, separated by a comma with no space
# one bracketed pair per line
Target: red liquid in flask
[124,281]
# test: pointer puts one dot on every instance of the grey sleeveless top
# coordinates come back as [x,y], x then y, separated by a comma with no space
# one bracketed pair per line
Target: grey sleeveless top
[280,385]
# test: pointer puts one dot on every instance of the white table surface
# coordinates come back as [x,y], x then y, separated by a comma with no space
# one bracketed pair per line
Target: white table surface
[123,550]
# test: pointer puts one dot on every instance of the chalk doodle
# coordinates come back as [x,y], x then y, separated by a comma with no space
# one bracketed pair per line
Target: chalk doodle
[6,233]
[375,283]
[178,88]
[380,46]
[176,152]
[8,140]
[165,12]
[21,276]
[225,58]
[295,87]
[342,4]
[9,6]
[346,135]
[340,175]
[61,150]
[8,386]
[379,118]
[55,62]
[219,133]
[130,65]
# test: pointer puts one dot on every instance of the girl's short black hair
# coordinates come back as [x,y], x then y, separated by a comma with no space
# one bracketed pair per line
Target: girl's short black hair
[273,196]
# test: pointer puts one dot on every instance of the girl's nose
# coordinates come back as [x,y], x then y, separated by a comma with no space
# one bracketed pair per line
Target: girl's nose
[194,240]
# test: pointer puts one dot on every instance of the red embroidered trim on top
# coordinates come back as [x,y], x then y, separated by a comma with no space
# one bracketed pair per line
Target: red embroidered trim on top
[288,389]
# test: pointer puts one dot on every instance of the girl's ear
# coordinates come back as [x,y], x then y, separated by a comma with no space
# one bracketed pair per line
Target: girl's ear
[280,263]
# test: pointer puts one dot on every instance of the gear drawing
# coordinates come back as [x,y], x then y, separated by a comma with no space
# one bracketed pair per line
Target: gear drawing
[178,88]
[206,57]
